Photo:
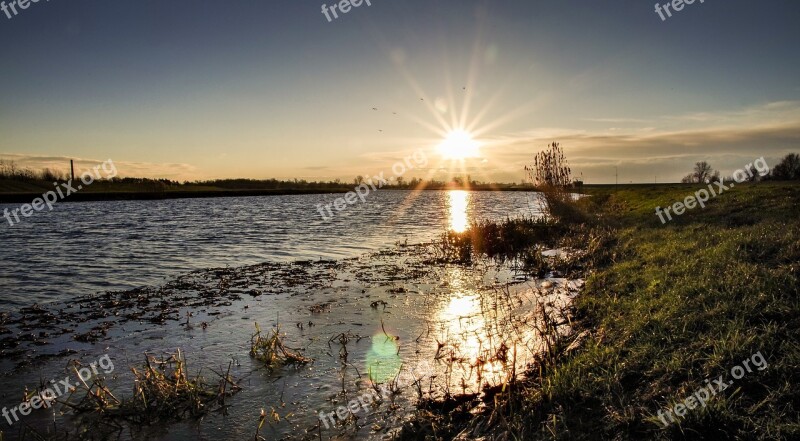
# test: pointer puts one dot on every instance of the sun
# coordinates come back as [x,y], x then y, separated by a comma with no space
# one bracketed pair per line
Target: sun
[458,144]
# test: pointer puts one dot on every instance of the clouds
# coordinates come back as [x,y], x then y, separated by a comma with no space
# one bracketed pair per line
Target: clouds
[643,150]
[728,140]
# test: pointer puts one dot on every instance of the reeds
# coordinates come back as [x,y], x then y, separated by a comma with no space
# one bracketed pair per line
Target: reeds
[164,390]
[551,175]
[272,352]
[510,239]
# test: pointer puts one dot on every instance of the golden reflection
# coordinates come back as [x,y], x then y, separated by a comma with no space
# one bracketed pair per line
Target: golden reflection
[461,307]
[476,338]
[464,323]
[458,201]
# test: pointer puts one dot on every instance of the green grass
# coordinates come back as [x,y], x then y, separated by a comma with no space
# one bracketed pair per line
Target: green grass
[668,307]
[687,301]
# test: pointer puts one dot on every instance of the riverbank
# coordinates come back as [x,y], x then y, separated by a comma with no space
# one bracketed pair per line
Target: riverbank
[19,192]
[16,192]
[666,308]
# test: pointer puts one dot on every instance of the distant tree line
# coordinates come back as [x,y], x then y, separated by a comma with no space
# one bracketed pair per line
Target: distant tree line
[788,169]
[9,170]
[12,172]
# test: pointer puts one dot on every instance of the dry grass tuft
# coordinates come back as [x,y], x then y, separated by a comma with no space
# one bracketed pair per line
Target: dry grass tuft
[271,351]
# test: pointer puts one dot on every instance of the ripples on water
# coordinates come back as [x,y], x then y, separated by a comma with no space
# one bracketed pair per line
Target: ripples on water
[83,248]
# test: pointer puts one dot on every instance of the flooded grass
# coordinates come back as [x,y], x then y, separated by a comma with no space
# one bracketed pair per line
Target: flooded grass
[163,391]
[272,352]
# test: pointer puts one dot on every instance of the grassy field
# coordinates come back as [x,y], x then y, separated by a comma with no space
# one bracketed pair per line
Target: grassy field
[665,308]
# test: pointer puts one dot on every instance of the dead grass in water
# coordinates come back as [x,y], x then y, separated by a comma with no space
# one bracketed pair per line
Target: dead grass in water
[272,352]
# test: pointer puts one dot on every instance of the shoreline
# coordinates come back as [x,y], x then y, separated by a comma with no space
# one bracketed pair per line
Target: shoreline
[95,196]
[21,198]
[629,314]
[646,324]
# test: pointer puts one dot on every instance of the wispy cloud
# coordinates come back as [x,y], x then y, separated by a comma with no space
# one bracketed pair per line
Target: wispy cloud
[729,140]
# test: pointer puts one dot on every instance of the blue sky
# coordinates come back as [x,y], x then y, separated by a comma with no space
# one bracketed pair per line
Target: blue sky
[201,89]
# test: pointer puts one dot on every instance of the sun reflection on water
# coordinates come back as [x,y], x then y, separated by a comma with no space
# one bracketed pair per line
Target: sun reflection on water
[458,201]
[461,306]
[478,335]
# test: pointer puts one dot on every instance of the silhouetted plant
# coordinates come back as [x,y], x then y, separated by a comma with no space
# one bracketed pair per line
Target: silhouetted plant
[551,174]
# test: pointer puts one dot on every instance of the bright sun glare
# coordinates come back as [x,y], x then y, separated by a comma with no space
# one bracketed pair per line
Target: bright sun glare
[458,144]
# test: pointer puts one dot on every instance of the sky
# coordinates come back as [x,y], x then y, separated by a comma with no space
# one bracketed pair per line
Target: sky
[198,89]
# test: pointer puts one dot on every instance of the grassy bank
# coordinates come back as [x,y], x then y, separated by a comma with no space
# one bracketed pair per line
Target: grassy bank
[665,308]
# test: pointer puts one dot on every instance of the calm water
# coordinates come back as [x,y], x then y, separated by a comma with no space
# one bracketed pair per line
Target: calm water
[82,248]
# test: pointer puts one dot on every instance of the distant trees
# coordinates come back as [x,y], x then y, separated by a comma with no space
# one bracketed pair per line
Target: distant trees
[11,171]
[702,173]
[788,169]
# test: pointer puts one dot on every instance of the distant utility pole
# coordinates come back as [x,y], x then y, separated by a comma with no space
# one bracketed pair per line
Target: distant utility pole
[72,169]
[616,178]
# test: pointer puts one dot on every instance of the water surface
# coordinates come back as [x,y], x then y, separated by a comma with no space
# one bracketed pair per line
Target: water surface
[429,328]
[88,247]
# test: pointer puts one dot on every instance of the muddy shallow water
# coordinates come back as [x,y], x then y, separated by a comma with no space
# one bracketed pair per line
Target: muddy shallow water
[426,328]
